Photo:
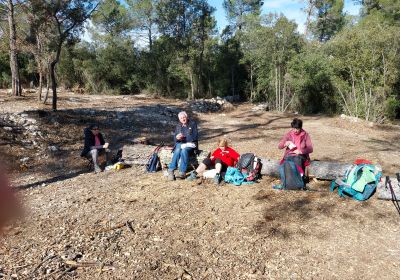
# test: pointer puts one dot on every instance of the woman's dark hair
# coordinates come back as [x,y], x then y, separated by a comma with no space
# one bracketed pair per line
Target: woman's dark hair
[93,125]
[297,123]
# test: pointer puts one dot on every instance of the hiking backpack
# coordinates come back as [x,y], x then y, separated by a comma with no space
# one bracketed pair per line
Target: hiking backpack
[291,173]
[250,165]
[153,164]
[359,181]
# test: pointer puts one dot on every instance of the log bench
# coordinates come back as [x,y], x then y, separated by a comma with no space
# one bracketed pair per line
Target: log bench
[139,154]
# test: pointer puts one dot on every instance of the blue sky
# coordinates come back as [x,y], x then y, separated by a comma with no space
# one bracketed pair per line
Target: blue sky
[292,9]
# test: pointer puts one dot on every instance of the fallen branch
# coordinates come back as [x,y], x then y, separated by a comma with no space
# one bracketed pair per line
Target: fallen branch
[49,257]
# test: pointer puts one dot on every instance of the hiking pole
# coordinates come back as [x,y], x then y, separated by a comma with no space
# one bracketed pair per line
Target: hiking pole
[394,198]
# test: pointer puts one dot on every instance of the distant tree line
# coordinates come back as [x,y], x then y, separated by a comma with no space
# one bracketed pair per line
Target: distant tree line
[341,64]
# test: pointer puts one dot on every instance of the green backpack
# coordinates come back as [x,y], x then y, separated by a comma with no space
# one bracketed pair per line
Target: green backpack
[359,181]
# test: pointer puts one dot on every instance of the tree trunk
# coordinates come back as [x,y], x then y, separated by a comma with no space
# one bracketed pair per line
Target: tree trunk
[47,86]
[251,83]
[279,88]
[276,88]
[309,13]
[38,58]
[319,169]
[53,75]
[233,82]
[15,77]
[150,39]
[191,94]
[40,85]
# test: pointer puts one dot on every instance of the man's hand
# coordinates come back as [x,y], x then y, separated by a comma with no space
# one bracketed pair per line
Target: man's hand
[179,136]
[105,146]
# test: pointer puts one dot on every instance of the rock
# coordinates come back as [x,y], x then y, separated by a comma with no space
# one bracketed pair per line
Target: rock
[232,98]
[30,120]
[261,107]
[24,159]
[53,148]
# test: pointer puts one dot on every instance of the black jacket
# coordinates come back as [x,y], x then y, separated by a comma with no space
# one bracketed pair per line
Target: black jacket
[90,141]
[189,131]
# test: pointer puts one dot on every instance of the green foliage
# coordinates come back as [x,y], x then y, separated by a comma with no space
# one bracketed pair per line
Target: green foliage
[238,10]
[268,48]
[392,107]
[170,48]
[312,83]
[389,8]
[112,20]
[5,78]
[366,61]
[329,19]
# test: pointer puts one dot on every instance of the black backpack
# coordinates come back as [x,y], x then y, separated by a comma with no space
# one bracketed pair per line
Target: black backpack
[251,165]
[154,165]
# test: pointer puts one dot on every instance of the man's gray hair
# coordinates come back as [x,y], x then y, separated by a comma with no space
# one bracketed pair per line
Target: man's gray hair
[182,114]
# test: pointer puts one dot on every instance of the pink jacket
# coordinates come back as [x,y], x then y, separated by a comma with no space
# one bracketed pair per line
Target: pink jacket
[303,138]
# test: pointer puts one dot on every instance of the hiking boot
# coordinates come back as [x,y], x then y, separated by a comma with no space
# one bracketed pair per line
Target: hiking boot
[97,169]
[182,175]
[171,175]
[217,179]
[192,176]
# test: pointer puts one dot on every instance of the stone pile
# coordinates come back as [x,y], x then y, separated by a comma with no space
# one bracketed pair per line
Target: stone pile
[210,105]
[24,132]
[22,124]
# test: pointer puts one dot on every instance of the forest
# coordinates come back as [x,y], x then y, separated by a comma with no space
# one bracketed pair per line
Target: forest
[171,48]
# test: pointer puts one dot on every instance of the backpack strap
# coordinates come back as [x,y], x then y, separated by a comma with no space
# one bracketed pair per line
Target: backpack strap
[333,186]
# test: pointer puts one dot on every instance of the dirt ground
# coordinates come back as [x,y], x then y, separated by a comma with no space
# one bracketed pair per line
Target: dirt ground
[128,224]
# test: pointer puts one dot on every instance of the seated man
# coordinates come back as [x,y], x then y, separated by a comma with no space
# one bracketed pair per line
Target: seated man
[186,141]
[95,146]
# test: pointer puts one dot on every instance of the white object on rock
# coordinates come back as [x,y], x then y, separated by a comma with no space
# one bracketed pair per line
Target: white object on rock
[210,173]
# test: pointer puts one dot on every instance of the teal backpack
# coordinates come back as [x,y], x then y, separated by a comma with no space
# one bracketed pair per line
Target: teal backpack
[359,181]
[234,176]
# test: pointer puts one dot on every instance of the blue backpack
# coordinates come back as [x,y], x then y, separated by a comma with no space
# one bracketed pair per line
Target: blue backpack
[359,181]
[291,178]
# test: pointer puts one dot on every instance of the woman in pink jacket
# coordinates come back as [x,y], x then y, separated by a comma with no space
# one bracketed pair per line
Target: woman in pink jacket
[297,144]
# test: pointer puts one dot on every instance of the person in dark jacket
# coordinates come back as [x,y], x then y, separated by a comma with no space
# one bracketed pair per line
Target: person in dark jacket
[95,146]
[186,142]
